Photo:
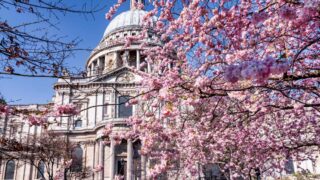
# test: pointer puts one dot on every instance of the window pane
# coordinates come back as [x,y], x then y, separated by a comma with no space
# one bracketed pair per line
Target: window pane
[9,170]
[121,169]
[78,123]
[40,173]
[76,165]
[105,111]
[289,167]
[105,106]
[124,111]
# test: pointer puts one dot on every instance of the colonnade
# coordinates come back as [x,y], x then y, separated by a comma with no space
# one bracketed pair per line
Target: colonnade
[112,157]
[101,65]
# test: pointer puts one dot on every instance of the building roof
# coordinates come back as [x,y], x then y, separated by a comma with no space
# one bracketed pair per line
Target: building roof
[129,18]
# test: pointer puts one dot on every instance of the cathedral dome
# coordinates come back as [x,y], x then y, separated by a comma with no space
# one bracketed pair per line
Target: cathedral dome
[131,18]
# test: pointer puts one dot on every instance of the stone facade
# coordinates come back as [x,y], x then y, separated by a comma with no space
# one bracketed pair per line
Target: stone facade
[109,80]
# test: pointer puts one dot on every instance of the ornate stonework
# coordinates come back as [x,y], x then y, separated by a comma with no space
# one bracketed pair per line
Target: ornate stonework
[125,78]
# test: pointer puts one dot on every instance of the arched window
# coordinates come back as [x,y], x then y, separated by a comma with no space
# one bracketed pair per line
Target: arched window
[10,167]
[40,173]
[289,166]
[78,123]
[77,155]
[123,110]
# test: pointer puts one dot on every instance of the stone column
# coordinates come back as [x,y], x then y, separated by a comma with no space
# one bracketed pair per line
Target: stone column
[92,69]
[112,158]
[88,71]
[99,65]
[105,68]
[113,108]
[138,60]
[143,167]
[125,58]
[101,159]
[98,62]
[116,60]
[149,68]
[129,160]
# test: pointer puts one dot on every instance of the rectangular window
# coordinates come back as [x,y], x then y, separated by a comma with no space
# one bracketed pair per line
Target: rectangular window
[121,168]
[105,105]
[289,166]
[78,123]
[105,111]
[40,172]
[123,110]
[77,158]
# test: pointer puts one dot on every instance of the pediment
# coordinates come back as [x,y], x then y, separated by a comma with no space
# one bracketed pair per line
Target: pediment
[121,75]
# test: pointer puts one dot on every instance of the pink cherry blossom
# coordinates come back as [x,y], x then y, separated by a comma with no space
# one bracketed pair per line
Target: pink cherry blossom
[107,129]
[36,120]
[4,109]
[259,17]
[98,168]
[287,13]
[113,9]
[118,177]
[67,109]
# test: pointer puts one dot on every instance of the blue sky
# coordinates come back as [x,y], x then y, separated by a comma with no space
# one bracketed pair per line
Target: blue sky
[22,90]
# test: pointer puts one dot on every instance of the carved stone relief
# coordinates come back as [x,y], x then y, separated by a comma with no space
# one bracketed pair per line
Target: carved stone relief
[125,77]
[110,64]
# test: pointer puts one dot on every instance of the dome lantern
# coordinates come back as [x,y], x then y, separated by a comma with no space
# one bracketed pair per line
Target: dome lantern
[133,2]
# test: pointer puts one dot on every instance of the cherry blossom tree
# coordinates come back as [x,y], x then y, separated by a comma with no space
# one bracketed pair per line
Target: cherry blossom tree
[44,153]
[29,48]
[235,84]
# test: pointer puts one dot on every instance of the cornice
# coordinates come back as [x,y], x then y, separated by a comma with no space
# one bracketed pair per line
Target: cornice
[98,81]
[93,130]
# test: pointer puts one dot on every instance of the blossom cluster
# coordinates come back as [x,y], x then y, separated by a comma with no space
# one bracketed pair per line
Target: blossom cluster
[4,109]
[118,177]
[113,9]
[107,129]
[66,109]
[258,71]
[98,168]
[59,174]
[36,120]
